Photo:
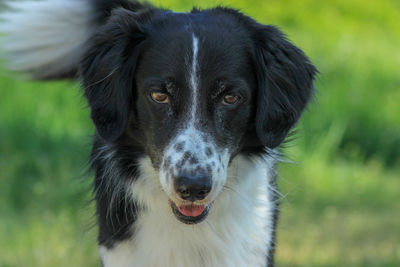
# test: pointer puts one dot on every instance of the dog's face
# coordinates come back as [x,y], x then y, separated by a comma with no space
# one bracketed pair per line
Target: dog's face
[194,90]
[194,101]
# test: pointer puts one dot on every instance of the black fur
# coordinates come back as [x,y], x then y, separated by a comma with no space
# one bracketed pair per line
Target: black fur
[285,80]
[115,210]
[108,71]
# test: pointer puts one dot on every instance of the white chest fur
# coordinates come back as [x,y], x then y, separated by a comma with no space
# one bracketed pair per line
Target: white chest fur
[237,231]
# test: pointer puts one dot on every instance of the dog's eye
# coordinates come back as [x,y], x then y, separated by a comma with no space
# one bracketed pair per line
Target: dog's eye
[160,97]
[230,99]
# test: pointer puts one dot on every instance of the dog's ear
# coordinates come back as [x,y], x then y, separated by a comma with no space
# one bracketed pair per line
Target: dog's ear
[285,84]
[107,72]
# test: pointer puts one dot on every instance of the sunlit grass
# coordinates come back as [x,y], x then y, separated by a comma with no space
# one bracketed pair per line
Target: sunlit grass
[339,214]
[52,238]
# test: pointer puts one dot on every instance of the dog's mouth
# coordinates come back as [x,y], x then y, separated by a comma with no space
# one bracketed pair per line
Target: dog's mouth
[190,214]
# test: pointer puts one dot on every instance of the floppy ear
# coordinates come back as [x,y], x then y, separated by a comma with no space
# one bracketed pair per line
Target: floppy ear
[285,84]
[107,71]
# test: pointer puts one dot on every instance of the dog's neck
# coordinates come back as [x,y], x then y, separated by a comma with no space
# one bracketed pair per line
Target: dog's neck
[237,232]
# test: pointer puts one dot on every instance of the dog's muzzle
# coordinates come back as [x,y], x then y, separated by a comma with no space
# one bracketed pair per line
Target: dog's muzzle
[192,173]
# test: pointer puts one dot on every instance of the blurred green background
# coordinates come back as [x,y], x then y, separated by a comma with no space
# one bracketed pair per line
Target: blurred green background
[341,196]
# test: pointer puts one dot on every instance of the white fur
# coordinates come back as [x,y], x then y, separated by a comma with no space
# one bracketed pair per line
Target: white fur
[46,37]
[237,231]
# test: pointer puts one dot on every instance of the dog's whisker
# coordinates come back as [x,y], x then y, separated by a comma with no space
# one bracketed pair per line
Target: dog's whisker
[103,79]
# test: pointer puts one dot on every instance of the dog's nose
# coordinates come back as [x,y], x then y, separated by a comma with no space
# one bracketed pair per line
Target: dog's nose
[192,189]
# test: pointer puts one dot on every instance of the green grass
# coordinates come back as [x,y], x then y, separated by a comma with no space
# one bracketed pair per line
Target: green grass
[341,204]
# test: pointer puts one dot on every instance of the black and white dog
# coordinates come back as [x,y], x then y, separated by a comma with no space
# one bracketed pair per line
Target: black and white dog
[189,109]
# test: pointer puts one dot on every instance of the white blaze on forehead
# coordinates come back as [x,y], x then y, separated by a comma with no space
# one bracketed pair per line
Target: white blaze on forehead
[194,82]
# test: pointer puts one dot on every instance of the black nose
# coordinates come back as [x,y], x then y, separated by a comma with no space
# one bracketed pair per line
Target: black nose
[196,188]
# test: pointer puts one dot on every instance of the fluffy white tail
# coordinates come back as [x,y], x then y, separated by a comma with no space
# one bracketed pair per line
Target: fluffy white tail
[46,38]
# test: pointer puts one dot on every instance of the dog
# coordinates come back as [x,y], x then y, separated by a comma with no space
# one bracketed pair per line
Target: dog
[190,110]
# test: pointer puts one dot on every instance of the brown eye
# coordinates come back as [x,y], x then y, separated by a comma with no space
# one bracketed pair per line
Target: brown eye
[230,99]
[160,97]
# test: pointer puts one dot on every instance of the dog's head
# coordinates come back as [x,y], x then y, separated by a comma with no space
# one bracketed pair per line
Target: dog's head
[194,90]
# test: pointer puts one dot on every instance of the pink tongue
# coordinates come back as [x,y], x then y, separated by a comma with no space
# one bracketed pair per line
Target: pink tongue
[191,210]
